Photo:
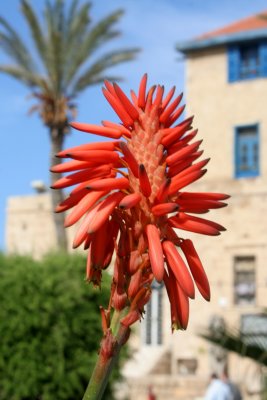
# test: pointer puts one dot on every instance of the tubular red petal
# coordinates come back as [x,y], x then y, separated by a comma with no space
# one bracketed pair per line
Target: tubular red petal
[168,98]
[144,181]
[155,252]
[81,234]
[87,242]
[110,244]
[110,87]
[200,204]
[184,163]
[130,159]
[89,146]
[134,261]
[170,284]
[142,92]
[130,318]
[129,201]
[134,98]
[181,143]
[163,209]
[105,210]
[119,298]
[184,152]
[196,268]
[159,95]
[73,165]
[163,191]
[172,236]
[203,196]
[179,269]
[168,111]
[186,171]
[92,275]
[81,176]
[179,302]
[182,306]
[99,242]
[83,206]
[96,156]
[149,98]
[195,224]
[171,135]
[135,284]
[184,181]
[174,116]
[129,107]
[118,108]
[71,201]
[109,184]
[119,127]
[96,129]
[85,184]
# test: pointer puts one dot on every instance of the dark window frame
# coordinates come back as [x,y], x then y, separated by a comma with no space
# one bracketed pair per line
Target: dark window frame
[247,60]
[251,143]
[248,298]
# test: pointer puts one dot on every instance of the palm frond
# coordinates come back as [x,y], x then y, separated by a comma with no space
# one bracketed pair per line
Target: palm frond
[97,36]
[14,47]
[54,15]
[95,73]
[36,31]
[244,345]
[30,78]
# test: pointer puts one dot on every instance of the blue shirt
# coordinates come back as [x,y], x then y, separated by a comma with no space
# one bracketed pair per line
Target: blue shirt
[218,390]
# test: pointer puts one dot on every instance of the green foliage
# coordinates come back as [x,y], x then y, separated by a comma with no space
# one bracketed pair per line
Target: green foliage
[49,328]
[244,345]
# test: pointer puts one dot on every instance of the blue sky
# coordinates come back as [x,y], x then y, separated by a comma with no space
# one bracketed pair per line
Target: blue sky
[153,25]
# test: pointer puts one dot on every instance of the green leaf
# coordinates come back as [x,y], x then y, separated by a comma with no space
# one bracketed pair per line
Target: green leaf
[95,73]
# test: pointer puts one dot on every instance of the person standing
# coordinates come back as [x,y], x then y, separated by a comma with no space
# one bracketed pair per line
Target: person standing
[236,394]
[218,390]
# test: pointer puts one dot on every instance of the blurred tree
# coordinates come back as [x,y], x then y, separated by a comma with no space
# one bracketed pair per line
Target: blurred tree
[49,328]
[66,64]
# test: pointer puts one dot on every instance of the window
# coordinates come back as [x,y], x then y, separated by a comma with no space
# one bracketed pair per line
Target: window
[244,280]
[187,366]
[254,329]
[247,61]
[152,327]
[246,151]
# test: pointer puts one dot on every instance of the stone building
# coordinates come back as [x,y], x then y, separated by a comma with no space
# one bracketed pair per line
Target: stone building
[226,90]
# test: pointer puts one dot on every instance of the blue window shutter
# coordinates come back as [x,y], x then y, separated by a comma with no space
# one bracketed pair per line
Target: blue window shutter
[233,63]
[247,151]
[263,58]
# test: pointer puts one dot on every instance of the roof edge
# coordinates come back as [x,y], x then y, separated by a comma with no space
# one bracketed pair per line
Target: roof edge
[239,37]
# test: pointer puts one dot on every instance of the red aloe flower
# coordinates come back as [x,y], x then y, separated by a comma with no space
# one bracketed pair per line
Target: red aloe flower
[130,213]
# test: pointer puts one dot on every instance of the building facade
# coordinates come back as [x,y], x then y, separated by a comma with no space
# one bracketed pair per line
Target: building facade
[226,90]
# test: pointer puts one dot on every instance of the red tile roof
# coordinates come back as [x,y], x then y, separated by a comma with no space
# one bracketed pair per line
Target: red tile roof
[255,22]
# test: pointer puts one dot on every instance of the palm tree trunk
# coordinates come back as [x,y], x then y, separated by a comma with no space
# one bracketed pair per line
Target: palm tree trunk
[57,139]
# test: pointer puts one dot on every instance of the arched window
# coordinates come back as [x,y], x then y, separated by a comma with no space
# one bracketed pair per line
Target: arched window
[152,324]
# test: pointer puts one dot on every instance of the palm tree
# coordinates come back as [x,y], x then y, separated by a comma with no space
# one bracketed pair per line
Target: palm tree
[249,344]
[65,65]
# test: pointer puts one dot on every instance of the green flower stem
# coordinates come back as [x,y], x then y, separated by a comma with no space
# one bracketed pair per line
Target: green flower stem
[104,364]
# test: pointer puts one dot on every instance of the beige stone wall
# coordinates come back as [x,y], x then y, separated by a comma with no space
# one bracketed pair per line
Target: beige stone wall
[29,225]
